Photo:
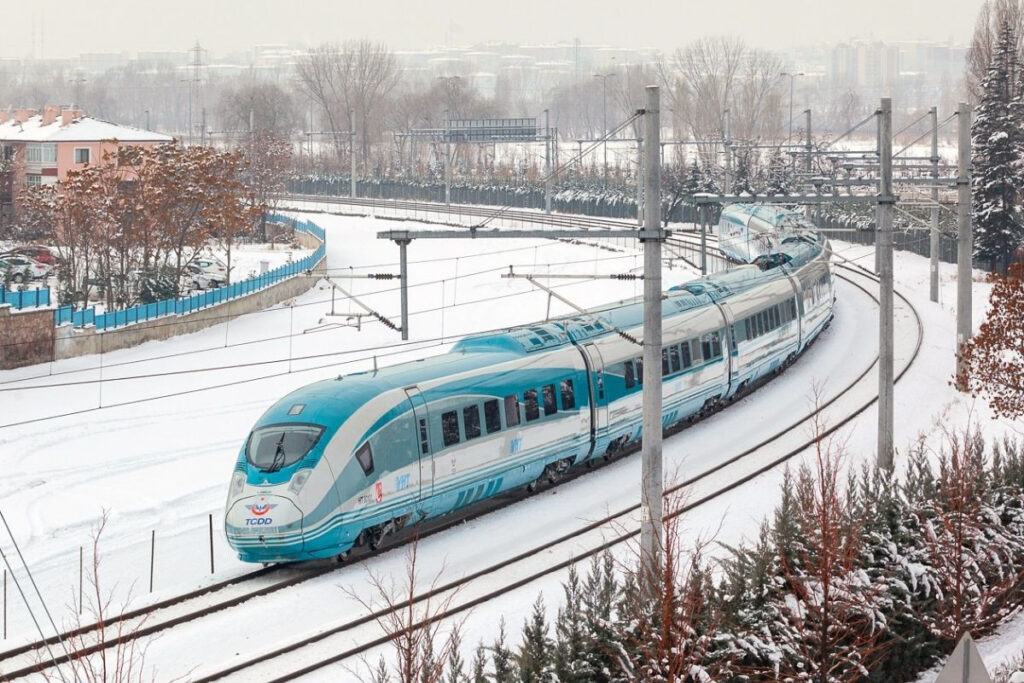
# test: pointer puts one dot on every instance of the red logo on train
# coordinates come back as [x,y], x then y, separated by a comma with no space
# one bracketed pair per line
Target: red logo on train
[261,508]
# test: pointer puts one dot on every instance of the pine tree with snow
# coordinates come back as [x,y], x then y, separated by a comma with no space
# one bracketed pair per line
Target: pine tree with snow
[479,667]
[502,657]
[998,156]
[572,638]
[535,653]
[778,177]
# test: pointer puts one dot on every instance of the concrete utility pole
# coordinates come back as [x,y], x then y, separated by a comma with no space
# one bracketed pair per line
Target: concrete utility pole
[640,180]
[448,158]
[651,476]
[933,243]
[604,115]
[547,162]
[727,145]
[403,265]
[352,152]
[810,146]
[883,237]
[964,236]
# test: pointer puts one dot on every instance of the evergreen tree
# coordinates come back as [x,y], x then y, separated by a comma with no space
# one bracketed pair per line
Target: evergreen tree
[479,674]
[571,659]
[998,154]
[778,178]
[504,663]
[534,658]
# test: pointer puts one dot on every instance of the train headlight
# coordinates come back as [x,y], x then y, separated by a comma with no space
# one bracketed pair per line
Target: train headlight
[237,483]
[298,481]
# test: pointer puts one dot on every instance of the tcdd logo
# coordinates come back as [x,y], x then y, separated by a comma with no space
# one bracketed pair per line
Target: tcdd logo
[259,510]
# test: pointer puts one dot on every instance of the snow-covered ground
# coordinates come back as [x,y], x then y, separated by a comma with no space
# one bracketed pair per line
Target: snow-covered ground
[153,443]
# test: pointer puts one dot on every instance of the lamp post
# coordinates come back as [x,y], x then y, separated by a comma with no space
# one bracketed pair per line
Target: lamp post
[604,114]
[792,75]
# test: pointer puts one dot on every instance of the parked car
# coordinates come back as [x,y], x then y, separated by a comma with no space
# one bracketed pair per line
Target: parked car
[21,268]
[214,269]
[37,252]
[195,277]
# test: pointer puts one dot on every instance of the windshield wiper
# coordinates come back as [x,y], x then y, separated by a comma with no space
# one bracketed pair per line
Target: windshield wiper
[278,461]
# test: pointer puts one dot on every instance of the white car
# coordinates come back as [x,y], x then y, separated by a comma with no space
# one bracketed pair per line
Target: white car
[213,269]
[195,278]
[23,268]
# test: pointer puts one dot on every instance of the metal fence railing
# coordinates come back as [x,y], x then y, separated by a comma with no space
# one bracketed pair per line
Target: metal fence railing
[30,298]
[190,304]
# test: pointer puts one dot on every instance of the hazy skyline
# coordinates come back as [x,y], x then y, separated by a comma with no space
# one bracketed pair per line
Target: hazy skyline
[61,30]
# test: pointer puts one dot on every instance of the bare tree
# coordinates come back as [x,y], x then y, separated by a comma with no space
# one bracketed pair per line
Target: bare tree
[412,616]
[356,76]
[257,106]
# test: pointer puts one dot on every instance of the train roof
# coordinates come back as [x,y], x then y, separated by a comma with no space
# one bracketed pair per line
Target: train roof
[330,401]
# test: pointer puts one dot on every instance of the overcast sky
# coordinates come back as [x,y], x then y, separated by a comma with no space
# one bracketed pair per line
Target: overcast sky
[221,26]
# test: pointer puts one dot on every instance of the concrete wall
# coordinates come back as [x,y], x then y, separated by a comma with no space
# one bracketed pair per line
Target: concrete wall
[26,337]
[70,342]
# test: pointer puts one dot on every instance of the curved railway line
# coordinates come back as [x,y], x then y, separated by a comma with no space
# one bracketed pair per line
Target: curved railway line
[525,567]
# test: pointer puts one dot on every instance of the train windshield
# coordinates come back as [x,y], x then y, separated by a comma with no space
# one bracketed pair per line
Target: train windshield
[271,448]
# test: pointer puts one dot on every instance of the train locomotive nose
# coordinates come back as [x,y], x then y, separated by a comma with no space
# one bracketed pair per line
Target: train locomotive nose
[265,528]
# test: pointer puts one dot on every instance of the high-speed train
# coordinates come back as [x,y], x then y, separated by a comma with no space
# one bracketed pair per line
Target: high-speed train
[346,461]
[747,231]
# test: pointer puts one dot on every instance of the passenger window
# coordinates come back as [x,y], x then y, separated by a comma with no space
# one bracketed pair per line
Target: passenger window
[750,330]
[640,370]
[627,374]
[716,344]
[550,405]
[568,395]
[492,416]
[687,360]
[792,309]
[365,457]
[530,400]
[471,420]
[705,347]
[664,362]
[450,427]
[695,345]
[424,441]
[673,356]
[512,410]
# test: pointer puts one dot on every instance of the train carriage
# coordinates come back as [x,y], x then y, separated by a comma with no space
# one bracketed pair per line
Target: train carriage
[347,461]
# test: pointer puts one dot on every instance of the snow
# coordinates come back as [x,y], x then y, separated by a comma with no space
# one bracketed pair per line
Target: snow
[82,129]
[158,454]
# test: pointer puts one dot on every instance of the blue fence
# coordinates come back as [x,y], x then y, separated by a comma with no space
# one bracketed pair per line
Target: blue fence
[212,297]
[30,298]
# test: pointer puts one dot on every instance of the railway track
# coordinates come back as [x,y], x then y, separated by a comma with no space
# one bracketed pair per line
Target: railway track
[357,636]
[524,567]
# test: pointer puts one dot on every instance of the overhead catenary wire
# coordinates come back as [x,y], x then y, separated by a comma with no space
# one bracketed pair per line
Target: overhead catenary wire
[39,595]
[425,344]
[220,347]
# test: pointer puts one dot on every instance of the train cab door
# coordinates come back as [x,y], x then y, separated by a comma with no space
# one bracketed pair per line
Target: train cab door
[598,399]
[421,427]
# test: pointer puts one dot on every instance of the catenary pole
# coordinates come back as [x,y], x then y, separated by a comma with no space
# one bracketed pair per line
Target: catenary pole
[885,284]
[448,158]
[641,179]
[933,242]
[651,465]
[727,145]
[403,265]
[547,162]
[352,153]
[964,238]
[810,144]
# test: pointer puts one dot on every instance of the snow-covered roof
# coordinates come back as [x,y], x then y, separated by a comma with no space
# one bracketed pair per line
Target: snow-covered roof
[82,129]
